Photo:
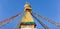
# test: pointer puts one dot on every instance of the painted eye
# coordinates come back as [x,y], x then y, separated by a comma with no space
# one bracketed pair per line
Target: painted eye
[27,9]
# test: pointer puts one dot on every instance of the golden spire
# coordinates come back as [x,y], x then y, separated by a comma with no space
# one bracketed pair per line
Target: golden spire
[27,20]
[27,16]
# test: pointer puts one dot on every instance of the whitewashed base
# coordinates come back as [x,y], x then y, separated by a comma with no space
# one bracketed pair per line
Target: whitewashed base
[28,28]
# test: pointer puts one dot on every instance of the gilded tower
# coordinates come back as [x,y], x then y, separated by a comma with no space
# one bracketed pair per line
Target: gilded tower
[27,20]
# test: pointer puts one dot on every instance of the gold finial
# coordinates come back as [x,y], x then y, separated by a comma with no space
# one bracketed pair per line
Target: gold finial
[26,1]
[27,7]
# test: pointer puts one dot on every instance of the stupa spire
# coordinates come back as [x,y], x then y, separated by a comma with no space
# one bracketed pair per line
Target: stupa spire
[27,20]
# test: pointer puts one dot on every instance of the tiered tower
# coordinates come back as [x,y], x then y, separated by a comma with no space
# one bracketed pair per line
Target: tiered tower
[27,21]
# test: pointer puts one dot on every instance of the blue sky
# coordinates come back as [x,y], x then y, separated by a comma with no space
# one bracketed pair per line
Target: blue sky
[47,8]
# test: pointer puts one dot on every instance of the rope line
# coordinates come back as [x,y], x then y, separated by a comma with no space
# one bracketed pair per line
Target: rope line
[9,19]
[45,26]
[47,19]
